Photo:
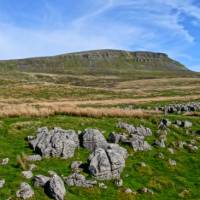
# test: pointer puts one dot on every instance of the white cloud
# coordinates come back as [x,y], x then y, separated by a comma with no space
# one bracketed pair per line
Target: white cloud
[155,25]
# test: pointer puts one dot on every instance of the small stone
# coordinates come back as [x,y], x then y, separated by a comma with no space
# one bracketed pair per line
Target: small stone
[128,191]
[102,185]
[30,137]
[2,182]
[27,174]
[119,182]
[146,190]
[187,124]
[178,123]
[32,167]
[143,164]
[160,143]
[75,166]
[33,158]
[25,191]
[40,180]
[161,156]
[172,162]
[79,132]
[52,173]
[79,180]
[164,124]
[192,148]
[181,144]
[4,161]
[171,150]
[193,142]
[185,193]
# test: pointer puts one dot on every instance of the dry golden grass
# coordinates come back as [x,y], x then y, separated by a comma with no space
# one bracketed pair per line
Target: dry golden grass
[197,114]
[46,108]
[162,83]
[68,102]
[138,101]
[52,109]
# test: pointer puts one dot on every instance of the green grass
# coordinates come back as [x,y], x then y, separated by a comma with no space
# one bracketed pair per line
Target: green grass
[167,182]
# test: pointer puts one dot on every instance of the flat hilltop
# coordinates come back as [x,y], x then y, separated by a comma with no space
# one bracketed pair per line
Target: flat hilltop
[97,62]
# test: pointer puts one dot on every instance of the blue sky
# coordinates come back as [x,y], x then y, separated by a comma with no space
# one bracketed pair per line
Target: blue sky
[49,27]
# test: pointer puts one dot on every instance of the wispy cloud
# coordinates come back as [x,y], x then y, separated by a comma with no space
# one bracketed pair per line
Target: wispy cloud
[155,25]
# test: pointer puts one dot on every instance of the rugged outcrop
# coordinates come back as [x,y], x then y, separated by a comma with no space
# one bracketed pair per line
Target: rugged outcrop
[180,108]
[55,143]
[107,163]
[98,60]
[55,188]
[142,131]
[134,137]
[40,180]
[92,139]
[79,180]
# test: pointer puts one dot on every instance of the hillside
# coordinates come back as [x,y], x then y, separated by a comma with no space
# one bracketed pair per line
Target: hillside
[104,95]
[96,62]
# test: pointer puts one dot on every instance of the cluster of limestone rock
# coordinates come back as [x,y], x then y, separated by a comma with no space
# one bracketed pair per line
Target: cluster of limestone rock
[180,108]
[106,161]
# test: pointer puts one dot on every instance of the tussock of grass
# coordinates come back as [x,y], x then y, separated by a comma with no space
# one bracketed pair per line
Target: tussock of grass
[30,110]
[22,161]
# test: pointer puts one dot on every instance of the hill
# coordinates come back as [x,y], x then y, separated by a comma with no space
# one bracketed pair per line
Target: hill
[96,62]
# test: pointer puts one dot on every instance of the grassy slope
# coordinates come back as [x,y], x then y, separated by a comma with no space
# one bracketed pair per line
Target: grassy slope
[96,62]
[167,182]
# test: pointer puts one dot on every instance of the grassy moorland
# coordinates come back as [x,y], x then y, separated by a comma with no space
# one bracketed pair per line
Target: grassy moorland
[166,181]
[79,99]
